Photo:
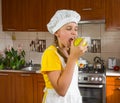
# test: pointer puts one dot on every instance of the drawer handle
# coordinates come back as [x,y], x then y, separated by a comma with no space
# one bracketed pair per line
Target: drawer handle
[32,29]
[1,74]
[87,9]
[11,29]
[25,75]
[118,78]
[118,88]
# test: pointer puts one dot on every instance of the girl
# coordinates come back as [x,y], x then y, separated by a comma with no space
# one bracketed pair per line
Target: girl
[58,64]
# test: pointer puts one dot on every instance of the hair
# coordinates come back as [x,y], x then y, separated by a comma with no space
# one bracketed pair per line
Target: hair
[58,48]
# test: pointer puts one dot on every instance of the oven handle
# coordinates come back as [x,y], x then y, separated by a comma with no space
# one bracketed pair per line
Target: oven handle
[90,86]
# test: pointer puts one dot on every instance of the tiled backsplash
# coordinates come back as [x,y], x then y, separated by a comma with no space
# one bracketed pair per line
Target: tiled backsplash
[109,42]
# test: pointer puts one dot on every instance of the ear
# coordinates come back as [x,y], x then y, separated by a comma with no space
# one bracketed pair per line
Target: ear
[57,34]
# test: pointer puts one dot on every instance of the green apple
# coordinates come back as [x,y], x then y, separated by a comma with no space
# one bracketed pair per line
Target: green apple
[77,41]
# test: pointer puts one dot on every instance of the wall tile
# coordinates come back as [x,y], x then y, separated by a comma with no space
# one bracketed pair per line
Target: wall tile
[24,43]
[35,57]
[21,35]
[2,44]
[110,45]
[91,30]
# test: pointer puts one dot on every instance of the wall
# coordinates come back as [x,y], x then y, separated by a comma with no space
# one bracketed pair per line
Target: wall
[109,41]
[5,37]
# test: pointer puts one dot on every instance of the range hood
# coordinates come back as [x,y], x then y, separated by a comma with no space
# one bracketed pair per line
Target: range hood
[92,22]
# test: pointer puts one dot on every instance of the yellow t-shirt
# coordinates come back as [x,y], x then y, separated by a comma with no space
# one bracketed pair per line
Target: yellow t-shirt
[50,62]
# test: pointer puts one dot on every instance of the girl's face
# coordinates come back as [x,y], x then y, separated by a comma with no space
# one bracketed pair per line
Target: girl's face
[66,34]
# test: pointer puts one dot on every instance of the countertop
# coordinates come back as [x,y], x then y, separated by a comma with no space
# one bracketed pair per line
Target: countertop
[108,72]
[21,71]
[112,73]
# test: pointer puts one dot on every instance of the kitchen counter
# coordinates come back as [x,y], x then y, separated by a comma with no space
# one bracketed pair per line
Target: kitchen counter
[21,71]
[112,73]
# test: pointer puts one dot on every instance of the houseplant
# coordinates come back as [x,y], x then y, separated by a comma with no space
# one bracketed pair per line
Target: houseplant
[13,59]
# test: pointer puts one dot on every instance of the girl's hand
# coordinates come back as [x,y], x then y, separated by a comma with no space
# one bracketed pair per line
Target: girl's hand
[77,51]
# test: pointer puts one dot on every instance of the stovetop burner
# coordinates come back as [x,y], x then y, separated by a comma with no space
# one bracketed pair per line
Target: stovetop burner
[93,76]
[91,70]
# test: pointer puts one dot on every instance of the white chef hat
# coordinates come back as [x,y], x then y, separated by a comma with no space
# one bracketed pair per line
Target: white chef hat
[62,17]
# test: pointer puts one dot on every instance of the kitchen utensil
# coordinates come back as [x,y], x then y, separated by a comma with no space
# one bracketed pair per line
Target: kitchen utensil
[98,63]
[111,62]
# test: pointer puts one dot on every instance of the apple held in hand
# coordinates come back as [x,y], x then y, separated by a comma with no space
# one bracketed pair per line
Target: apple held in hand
[77,41]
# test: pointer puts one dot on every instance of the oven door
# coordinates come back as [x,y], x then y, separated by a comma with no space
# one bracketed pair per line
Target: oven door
[92,93]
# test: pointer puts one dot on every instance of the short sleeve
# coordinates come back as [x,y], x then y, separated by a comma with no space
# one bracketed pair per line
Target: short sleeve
[50,61]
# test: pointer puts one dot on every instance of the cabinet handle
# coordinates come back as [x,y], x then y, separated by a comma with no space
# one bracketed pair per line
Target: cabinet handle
[87,9]
[11,29]
[25,75]
[118,88]
[118,78]
[32,29]
[2,74]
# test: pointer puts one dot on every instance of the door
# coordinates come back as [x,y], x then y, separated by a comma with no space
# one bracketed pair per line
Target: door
[40,88]
[112,15]
[24,91]
[33,15]
[6,93]
[89,9]
[113,94]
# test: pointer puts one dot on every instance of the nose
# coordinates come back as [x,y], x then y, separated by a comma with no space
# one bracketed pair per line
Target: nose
[74,32]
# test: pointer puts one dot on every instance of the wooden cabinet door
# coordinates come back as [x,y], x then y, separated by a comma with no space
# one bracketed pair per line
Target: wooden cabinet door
[112,15]
[6,93]
[50,7]
[33,15]
[24,88]
[9,14]
[21,15]
[40,88]
[89,9]
[12,15]
[113,94]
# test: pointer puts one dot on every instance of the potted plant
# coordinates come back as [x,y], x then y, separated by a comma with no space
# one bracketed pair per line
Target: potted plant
[13,59]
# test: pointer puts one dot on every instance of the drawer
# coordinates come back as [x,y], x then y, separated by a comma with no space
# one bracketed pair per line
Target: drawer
[113,80]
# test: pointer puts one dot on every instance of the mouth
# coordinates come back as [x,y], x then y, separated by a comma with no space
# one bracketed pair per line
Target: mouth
[70,40]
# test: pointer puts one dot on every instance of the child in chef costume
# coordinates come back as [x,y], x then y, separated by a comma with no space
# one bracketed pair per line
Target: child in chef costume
[58,64]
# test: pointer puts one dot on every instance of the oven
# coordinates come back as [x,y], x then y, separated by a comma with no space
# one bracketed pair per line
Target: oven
[92,87]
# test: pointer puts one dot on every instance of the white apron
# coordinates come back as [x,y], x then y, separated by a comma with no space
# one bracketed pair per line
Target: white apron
[72,95]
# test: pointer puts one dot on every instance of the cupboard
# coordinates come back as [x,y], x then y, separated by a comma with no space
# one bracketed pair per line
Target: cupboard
[6,87]
[20,87]
[112,15]
[113,89]
[90,9]
[21,15]
[33,15]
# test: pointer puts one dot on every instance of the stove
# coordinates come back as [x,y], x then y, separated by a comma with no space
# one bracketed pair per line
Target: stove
[91,83]
[91,78]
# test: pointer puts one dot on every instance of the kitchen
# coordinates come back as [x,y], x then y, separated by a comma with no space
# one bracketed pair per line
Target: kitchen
[110,41]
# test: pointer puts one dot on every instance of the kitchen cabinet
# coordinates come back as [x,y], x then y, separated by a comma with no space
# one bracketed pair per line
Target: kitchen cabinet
[112,89]
[12,15]
[24,87]
[40,88]
[6,90]
[112,15]
[21,87]
[49,8]
[90,9]
[21,15]
[33,15]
